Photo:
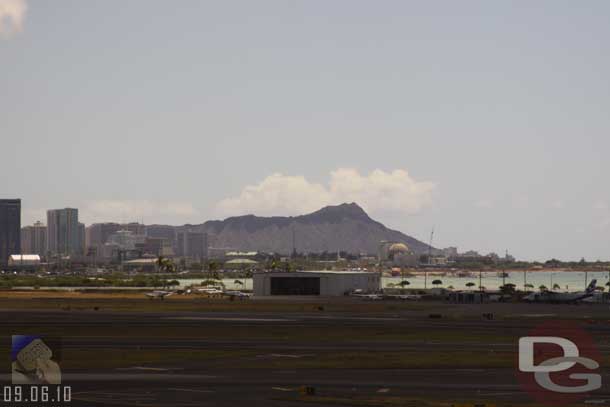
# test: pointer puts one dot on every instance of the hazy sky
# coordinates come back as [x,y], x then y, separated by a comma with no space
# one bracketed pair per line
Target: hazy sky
[488,120]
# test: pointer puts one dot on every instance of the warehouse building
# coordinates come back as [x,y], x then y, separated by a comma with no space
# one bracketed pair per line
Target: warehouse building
[24,262]
[322,283]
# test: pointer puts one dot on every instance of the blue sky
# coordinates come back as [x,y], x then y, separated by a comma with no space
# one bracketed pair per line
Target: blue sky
[486,120]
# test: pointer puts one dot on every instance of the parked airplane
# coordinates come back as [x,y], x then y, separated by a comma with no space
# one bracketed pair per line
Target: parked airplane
[403,297]
[409,297]
[371,297]
[556,297]
[159,294]
[237,294]
[210,291]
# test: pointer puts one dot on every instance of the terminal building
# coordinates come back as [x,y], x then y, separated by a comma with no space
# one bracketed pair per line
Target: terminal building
[321,283]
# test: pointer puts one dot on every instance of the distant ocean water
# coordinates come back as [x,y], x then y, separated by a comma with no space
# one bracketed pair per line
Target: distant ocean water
[567,280]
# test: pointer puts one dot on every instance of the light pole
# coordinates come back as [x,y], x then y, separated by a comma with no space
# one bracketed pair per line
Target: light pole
[586,279]
[425,279]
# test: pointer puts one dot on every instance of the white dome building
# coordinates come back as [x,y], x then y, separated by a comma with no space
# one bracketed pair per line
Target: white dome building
[401,255]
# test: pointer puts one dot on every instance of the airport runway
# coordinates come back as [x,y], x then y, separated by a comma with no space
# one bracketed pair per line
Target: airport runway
[239,379]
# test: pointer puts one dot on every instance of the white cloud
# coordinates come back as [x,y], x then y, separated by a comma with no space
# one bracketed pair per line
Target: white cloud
[600,206]
[558,204]
[521,202]
[123,211]
[484,204]
[378,191]
[12,16]
[130,211]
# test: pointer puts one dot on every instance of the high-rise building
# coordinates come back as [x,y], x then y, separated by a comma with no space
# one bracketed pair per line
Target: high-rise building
[164,232]
[97,235]
[156,246]
[34,239]
[125,239]
[81,238]
[10,228]
[65,235]
[135,228]
[191,244]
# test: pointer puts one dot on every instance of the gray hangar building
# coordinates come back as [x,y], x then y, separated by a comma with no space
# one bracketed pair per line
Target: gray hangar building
[322,283]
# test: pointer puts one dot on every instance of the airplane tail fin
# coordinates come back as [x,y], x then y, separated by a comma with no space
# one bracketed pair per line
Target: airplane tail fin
[591,286]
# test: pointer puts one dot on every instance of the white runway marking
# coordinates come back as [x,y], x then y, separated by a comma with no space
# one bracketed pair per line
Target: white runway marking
[192,390]
[232,319]
[151,369]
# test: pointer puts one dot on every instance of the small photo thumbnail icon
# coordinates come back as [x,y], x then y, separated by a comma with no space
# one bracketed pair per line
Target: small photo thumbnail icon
[35,360]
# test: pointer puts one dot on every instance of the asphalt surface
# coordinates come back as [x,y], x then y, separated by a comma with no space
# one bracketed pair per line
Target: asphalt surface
[227,383]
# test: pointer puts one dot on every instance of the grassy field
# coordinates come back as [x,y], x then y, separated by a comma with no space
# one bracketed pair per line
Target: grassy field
[394,401]
[138,302]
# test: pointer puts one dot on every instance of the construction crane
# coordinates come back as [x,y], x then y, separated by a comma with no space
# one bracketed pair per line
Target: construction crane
[430,246]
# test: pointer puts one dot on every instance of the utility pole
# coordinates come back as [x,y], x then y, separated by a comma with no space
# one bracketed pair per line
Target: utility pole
[504,270]
[429,259]
[294,244]
[430,247]
[586,279]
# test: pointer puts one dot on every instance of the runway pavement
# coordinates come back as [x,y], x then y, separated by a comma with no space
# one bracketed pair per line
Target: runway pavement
[264,358]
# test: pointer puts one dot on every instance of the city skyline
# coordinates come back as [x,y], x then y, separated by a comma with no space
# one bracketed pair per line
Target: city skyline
[97,234]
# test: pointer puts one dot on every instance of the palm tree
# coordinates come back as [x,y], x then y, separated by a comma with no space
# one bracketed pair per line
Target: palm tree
[404,283]
[437,282]
[237,282]
[273,265]
[213,267]
[391,285]
[165,265]
[470,284]
[450,288]
[542,288]
[173,283]
[556,286]
[212,282]
[249,275]
[528,285]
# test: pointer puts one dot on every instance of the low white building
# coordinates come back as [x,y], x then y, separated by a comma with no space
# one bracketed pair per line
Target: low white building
[24,260]
[321,283]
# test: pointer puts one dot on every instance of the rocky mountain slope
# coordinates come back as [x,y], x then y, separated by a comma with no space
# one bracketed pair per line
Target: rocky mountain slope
[344,227]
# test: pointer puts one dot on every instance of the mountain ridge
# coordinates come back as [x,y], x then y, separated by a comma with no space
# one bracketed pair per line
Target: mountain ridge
[345,227]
